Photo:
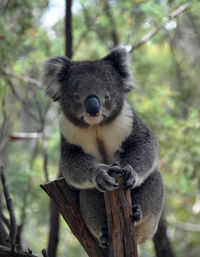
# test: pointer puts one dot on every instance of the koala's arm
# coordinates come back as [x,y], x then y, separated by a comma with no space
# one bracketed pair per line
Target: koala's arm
[77,167]
[140,150]
[82,171]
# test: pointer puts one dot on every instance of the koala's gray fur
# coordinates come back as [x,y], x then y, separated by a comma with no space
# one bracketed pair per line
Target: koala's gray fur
[91,144]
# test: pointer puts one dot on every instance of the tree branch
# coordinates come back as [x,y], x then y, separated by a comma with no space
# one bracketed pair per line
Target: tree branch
[68,29]
[173,15]
[108,13]
[89,23]
[6,252]
[13,230]
[23,217]
[4,219]
[27,79]
[5,127]
[45,154]
[19,98]
[25,135]
[185,226]
[3,235]
[66,199]
[119,211]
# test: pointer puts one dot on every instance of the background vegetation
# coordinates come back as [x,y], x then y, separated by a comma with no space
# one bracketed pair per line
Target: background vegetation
[167,97]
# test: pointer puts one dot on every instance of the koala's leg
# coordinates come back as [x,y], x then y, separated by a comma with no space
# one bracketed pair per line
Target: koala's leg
[149,199]
[94,214]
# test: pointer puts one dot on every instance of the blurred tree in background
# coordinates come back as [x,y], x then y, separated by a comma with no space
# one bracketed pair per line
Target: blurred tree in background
[167,97]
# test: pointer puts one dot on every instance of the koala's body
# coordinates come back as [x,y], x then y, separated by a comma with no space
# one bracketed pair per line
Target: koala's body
[102,138]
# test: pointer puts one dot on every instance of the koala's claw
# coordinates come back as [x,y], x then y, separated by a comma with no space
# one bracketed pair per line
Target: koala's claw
[115,170]
[116,164]
[129,176]
[104,182]
[105,179]
[104,238]
[137,213]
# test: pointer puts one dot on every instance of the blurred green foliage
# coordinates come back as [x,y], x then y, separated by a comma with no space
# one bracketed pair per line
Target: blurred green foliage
[166,96]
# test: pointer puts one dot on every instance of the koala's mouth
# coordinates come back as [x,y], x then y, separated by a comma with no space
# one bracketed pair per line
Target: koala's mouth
[92,120]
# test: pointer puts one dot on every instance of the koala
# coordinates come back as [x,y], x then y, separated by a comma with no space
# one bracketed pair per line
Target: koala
[103,138]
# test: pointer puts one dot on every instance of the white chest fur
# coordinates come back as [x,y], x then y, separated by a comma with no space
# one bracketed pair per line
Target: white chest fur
[111,135]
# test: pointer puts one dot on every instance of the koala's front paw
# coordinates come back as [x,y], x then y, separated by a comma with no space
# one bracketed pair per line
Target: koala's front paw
[105,178]
[130,176]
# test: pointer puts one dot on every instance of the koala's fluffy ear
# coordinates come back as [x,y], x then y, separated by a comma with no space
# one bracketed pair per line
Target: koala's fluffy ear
[55,70]
[120,60]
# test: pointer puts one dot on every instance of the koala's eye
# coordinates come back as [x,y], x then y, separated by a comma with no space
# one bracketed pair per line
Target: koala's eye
[106,96]
[76,97]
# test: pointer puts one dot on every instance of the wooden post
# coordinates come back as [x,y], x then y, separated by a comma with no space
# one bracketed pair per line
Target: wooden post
[120,225]
[119,211]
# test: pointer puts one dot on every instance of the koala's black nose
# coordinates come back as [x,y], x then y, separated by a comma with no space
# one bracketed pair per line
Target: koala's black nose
[92,105]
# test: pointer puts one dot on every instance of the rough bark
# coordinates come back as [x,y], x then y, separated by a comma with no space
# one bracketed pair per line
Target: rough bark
[161,241]
[66,199]
[120,224]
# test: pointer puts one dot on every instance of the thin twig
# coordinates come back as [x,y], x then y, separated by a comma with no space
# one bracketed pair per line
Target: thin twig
[5,252]
[3,235]
[4,219]
[25,135]
[23,218]
[19,98]
[173,15]
[185,226]
[88,25]
[12,246]
[146,38]
[45,155]
[178,11]
[109,15]
[33,82]
[10,208]
[5,127]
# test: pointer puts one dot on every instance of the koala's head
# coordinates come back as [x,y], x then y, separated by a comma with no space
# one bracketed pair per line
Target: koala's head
[89,92]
